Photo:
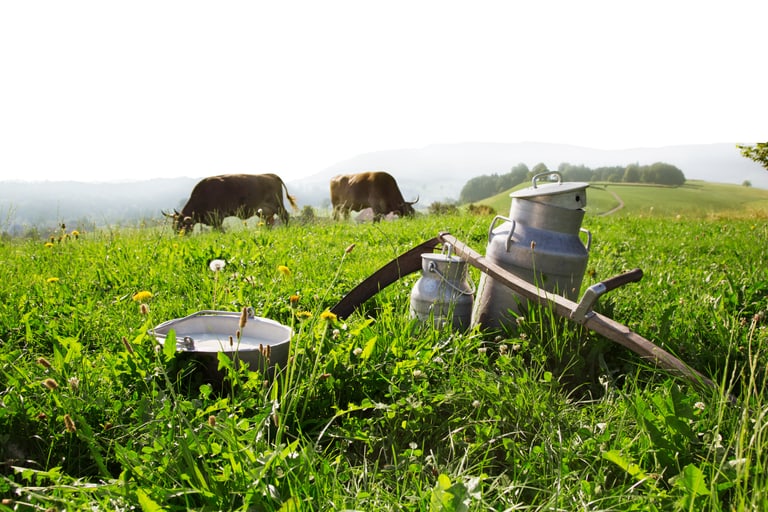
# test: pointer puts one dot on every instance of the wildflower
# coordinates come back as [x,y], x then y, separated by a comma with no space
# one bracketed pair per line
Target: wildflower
[335,334]
[533,245]
[417,374]
[294,299]
[74,383]
[216,265]
[69,424]
[503,348]
[212,421]
[142,296]
[243,317]
[43,362]
[261,224]
[50,384]
[49,244]
[699,405]
[303,315]
[53,280]
[284,270]
[349,248]
[143,309]
[357,351]
[75,233]
[476,404]
[327,315]
[482,350]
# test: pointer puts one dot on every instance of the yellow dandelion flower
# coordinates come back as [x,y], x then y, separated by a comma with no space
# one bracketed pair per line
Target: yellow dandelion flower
[327,315]
[53,280]
[284,270]
[75,233]
[142,295]
[49,244]
[294,299]
[303,315]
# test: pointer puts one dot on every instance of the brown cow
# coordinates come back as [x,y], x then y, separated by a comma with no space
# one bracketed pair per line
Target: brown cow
[376,190]
[240,195]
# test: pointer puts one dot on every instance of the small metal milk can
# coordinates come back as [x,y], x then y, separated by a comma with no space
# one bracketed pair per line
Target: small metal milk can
[540,242]
[443,293]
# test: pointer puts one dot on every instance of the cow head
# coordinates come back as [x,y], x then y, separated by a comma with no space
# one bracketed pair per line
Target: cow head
[406,210]
[181,223]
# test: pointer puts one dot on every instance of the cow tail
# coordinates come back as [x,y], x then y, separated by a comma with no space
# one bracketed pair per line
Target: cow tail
[291,199]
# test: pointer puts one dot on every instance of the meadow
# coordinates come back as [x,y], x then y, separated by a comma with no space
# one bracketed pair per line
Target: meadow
[696,199]
[377,411]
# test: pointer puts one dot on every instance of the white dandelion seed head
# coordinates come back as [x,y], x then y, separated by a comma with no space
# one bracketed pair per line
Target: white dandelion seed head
[217,265]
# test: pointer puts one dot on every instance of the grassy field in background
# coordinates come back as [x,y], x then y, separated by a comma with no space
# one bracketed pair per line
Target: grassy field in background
[694,199]
[376,411]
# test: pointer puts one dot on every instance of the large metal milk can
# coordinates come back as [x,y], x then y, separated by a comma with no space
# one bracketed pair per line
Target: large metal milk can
[540,242]
[443,293]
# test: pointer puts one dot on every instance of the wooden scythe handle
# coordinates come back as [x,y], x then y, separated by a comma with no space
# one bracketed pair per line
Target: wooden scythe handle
[405,264]
[612,330]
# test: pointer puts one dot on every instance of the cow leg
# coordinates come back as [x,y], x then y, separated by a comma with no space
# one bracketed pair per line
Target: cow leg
[284,216]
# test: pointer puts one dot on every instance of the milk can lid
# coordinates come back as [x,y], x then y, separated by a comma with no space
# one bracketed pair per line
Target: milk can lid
[549,189]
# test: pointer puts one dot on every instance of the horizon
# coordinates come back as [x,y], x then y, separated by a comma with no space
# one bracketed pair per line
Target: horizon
[393,151]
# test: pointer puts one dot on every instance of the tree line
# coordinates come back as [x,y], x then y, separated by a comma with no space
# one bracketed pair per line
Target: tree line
[659,173]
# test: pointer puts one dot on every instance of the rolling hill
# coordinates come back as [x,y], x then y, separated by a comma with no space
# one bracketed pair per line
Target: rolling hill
[694,199]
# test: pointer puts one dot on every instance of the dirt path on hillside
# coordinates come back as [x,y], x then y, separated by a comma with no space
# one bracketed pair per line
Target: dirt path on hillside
[618,199]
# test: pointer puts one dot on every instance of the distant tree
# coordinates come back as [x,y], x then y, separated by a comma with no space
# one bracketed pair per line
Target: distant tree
[746,183]
[478,188]
[631,174]
[519,173]
[665,174]
[608,174]
[575,172]
[758,153]
[537,169]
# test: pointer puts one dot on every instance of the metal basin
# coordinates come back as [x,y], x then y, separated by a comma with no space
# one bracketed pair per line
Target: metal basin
[262,344]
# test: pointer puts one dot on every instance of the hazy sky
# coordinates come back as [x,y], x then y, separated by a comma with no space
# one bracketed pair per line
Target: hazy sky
[103,90]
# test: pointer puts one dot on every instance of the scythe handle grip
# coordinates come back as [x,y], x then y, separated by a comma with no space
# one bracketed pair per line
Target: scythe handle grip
[614,282]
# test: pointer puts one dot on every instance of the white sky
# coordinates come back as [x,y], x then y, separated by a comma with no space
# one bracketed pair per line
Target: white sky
[105,90]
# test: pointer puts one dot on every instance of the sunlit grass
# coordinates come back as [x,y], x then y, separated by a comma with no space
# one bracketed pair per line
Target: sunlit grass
[376,411]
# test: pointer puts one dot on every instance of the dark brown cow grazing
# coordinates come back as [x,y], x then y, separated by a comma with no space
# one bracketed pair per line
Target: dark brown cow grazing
[376,190]
[239,195]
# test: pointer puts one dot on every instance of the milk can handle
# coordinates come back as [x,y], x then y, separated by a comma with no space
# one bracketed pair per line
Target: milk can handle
[589,238]
[548,173]
[433,268]
[508,241]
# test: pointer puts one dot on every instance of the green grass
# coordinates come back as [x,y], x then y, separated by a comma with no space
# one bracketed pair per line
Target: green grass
[376,412]
[694,199]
